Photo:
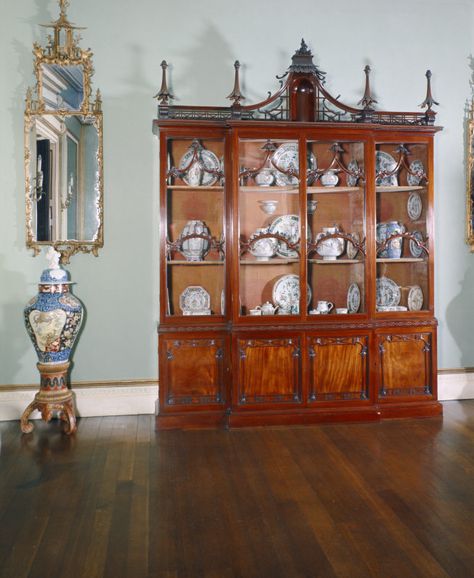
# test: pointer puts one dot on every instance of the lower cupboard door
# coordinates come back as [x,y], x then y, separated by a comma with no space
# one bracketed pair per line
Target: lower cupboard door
[269,370]
[338,368]
[405,365]
[192,371]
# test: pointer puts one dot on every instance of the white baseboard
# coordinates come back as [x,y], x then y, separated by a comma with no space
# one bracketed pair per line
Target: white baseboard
[455,384]
[96,400]
[135,398]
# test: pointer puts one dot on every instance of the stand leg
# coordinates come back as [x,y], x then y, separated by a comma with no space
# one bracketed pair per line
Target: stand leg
[25,424]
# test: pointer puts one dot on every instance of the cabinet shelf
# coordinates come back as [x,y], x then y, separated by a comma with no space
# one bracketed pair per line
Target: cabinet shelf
[331,190]
[336,261]
[191,189]
[271,189]
[194,263]
[398,189]
[402,260]
[269,262]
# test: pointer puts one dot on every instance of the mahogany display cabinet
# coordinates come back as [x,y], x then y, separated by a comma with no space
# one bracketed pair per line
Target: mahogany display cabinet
[296,261]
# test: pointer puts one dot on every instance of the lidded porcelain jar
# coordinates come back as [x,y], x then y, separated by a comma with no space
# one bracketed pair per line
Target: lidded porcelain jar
[53,317]
[330,249]
[394,248]
[195,248]
[265,248]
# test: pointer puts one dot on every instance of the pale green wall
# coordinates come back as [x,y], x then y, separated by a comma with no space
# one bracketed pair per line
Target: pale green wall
[400,40]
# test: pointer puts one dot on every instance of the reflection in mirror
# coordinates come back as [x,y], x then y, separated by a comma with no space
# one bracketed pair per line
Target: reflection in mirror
[64,178]
[63,86]
[63,147]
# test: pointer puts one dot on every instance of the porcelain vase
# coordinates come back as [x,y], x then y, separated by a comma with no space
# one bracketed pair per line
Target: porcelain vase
[53,319]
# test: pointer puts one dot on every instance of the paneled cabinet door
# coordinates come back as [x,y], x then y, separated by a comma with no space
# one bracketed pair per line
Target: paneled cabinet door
[192,371]
[269,370]
[405,362]
[338,368]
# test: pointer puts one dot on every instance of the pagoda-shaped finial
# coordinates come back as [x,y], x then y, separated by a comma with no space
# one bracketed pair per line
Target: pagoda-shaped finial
[302,61]
[164,95]
[236,96]
[62,43]
[303,48]
[63,5]
[429,100]
[367,101]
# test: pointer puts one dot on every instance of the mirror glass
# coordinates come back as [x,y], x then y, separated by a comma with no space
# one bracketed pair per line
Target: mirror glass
[62,86]
[64,177]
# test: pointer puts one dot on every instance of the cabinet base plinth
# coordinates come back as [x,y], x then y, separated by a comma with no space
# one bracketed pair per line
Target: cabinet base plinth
[191,420]
[258,418]
[410,409]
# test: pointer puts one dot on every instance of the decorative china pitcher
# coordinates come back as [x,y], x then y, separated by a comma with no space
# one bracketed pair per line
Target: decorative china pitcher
[324,307]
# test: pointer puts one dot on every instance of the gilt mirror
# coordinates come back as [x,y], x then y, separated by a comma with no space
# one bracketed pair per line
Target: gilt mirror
[63,147]
[470,179]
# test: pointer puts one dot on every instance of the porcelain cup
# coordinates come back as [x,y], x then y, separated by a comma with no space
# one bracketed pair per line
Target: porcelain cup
[341,310]
[256,311]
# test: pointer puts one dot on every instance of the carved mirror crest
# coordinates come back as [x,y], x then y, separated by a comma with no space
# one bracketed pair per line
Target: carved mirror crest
[63,146]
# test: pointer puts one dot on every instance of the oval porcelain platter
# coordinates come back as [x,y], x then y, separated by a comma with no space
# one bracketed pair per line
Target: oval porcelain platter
[388,293]
[415,250]
[286,293]
[419,170]
[385,162]
[415,298]
[414,206]
[286,155]
[353,298]
[196,176]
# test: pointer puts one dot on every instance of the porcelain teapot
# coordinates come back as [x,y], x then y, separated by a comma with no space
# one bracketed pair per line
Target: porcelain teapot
[268,308]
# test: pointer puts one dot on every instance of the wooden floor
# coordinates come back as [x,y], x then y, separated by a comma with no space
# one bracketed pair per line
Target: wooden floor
[394,499]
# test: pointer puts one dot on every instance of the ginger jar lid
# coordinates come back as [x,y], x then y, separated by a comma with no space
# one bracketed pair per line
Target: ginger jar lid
[54,277]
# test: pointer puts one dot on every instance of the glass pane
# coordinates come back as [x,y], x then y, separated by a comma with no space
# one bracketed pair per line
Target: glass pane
[269,227]
[402,249]
[195,215]
[336,220]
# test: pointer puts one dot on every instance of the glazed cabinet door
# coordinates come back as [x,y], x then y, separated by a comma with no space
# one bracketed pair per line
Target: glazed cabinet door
[336,209]
[192,227]
[404,232]
[338,368]
[268,370]
[268,227]
[192,372]
[406,365]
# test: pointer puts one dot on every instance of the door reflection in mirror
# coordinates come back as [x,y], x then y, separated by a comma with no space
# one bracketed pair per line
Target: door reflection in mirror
[64,173]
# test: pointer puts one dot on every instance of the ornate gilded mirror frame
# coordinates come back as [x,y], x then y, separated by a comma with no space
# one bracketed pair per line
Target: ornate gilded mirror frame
[470,179]
[63,122]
